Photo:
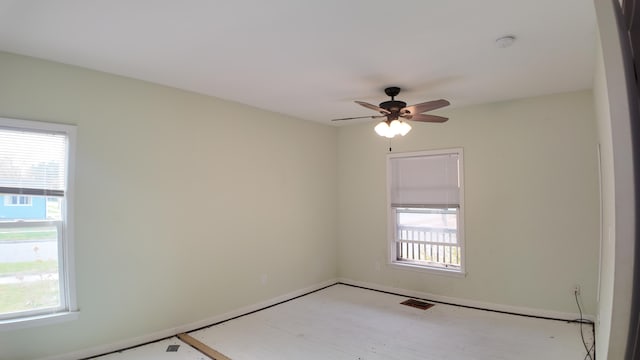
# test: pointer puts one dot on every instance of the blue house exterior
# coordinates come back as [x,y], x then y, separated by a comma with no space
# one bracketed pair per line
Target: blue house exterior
[13,207]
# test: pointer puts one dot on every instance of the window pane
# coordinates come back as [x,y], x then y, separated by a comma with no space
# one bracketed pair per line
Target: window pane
[428,218]
[428,236]
[28,268]
[32,159]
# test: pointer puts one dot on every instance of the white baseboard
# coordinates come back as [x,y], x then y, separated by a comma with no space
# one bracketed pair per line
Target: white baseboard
[471,303]
[128,343]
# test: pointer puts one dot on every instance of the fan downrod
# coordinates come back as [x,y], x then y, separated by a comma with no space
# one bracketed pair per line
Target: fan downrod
[393,106]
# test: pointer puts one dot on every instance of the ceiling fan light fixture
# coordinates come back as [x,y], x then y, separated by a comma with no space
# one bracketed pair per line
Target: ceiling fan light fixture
[382,128]
[391,129]
[404,128]
[397,112]
[395,127]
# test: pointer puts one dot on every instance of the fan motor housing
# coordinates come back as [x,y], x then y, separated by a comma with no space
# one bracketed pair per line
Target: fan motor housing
[393,106]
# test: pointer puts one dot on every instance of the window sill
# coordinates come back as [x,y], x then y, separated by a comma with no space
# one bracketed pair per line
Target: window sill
[428,269]
[39,320]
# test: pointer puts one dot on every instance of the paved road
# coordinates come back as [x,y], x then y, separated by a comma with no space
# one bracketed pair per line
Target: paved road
[28,250]
[26,278]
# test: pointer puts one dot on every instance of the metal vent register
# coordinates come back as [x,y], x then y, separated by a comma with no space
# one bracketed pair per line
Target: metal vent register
[173,348]
[417,304]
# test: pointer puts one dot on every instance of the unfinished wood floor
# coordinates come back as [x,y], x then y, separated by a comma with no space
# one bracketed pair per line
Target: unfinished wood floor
[344,322]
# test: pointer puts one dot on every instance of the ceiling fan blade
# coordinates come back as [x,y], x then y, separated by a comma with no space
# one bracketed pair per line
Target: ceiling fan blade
[425,106]
[426,118]
[360,117]
[373,107]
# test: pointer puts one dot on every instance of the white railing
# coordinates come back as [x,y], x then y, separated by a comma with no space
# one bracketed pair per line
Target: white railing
[437,246]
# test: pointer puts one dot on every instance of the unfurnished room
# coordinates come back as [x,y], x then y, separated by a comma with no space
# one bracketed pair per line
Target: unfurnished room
[204,179]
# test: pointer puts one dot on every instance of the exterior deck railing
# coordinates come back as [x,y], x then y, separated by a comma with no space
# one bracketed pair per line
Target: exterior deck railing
[438,246]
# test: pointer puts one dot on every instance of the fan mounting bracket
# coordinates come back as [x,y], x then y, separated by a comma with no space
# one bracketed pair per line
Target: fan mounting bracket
[392,91]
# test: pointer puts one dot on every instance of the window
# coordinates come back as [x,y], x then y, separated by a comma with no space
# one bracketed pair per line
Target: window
[14,200]
[36,260]
[425,193]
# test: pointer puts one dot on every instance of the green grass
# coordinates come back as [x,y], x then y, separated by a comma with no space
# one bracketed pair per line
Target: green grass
[28,267]
[28,295]
[27,234]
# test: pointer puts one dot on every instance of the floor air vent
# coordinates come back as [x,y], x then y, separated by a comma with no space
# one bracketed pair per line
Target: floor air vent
[173,348]
[417,304]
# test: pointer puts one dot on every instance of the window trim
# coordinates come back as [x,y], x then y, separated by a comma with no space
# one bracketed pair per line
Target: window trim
[69,310]
[391,221]
[8,200]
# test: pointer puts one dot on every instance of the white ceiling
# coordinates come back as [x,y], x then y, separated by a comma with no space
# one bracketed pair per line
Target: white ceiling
[311,59]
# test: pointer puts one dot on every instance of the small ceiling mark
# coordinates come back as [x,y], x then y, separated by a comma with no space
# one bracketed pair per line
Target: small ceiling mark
[505,41]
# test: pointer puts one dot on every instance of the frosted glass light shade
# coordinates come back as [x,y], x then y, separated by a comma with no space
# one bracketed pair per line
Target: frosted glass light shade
[404,128]
[382,128]
[395,127]
[389,130]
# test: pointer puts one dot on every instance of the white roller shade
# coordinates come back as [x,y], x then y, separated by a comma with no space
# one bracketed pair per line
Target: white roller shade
[32,163]
[430,180]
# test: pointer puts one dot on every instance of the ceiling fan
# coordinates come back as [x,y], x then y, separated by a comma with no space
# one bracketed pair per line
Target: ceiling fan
[394,111]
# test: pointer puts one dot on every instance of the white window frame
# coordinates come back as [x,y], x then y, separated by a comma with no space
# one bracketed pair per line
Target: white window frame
[391,217]
[8,200]
[68,310]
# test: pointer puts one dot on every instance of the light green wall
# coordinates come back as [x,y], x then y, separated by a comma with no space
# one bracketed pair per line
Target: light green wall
[183,202]
[531,202]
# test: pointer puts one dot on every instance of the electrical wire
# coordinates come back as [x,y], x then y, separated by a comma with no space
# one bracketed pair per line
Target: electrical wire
[582,320]
[588,355]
